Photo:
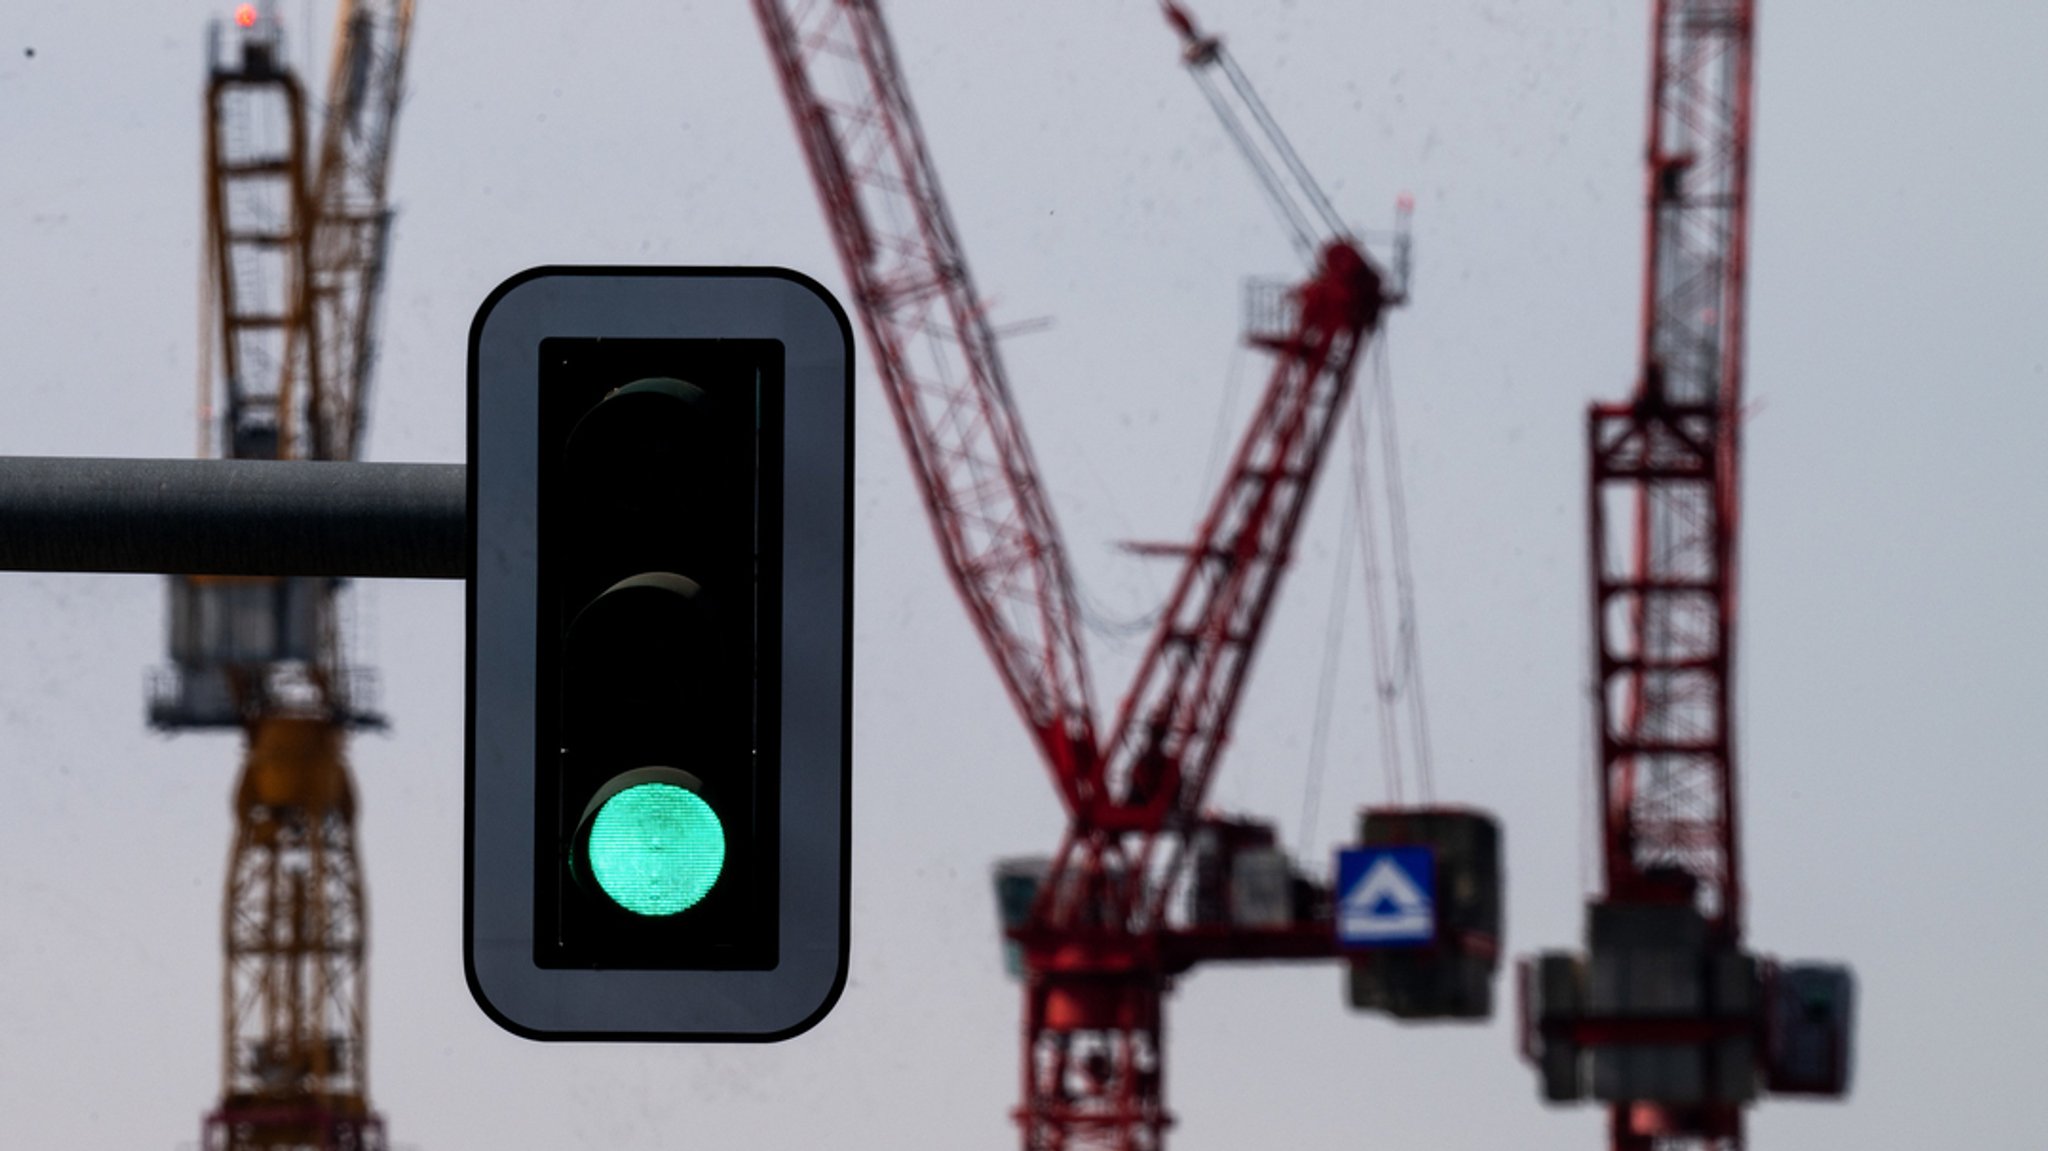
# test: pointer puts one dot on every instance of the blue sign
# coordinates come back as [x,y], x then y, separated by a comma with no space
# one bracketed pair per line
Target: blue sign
[1386,896]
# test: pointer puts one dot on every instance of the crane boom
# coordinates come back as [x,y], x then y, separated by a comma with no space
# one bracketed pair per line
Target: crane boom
[930,341]
[1310,218]
[1176,719]
[351,217]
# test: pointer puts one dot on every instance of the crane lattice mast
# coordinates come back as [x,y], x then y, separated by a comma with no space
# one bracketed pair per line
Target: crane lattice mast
[1668,1018]
[1665,484]
[296,254]
[1663,501]
[1102,942]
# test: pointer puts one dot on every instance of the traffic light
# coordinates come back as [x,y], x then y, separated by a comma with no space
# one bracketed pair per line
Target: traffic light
[659,574]
[660,643]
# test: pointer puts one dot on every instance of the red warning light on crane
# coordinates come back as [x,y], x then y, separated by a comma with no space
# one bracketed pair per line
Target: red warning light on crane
[245,15]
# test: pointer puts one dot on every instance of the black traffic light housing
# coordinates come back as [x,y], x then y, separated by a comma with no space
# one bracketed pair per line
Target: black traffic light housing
[660,646]
[660,594]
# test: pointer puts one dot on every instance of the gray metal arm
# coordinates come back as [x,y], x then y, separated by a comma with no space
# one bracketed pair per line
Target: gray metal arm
[234,517]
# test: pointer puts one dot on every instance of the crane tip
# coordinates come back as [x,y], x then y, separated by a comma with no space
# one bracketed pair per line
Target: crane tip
[1181,21]
[1198,49]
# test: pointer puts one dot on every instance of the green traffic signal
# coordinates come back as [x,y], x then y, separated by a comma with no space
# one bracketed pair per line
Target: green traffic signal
[657,599]
[651,843]
[660,624]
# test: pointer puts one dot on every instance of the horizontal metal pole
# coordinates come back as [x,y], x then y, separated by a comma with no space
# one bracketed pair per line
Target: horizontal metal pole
[234,517]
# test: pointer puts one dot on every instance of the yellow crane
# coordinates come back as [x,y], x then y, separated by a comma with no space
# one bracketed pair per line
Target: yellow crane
[295,262]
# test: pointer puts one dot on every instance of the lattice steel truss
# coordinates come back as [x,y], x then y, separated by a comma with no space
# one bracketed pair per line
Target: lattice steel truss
[1665,484]
[1664,497]
[296,258]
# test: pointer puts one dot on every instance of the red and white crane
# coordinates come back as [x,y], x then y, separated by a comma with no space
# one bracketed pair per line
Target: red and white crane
[1668,1018]
[1105,933]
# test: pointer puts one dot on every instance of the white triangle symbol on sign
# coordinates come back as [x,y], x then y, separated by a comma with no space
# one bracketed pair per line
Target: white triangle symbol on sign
[1385,904]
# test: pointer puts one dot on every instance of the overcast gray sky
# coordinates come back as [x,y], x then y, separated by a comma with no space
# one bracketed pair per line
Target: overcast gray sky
[1894,643]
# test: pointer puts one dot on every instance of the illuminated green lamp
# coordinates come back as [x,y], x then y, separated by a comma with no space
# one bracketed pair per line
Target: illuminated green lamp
[651,843]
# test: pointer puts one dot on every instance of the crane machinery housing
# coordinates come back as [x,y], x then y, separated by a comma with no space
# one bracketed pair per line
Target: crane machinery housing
[1145,883]
[1667,1017]
[295,259]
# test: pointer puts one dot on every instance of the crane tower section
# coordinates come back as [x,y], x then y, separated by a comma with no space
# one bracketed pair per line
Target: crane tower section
[295,256]
[256,216]
[1665,486]
[1667,1017]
